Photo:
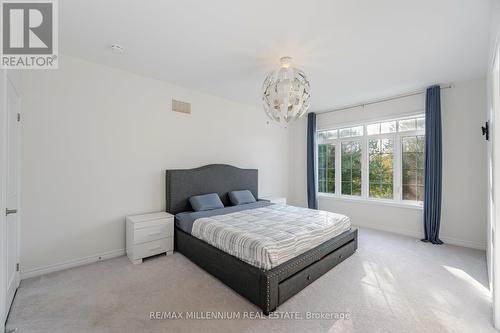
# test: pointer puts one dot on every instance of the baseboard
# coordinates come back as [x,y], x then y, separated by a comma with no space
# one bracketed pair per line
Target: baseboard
[464,243]
[417,235]
[26,274]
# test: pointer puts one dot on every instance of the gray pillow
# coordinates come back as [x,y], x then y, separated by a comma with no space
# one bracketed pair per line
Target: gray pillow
[205,202]
[241,197]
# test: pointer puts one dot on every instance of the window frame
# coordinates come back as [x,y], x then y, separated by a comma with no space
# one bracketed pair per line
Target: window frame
[396,138]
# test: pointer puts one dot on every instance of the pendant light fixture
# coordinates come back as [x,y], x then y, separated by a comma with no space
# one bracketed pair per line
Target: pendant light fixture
[286,93]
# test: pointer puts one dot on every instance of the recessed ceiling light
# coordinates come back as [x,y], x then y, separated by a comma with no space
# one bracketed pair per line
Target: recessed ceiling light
[116,48]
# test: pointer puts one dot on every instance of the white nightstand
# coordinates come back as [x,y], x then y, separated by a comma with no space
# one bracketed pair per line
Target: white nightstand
[276,200]
[148,235]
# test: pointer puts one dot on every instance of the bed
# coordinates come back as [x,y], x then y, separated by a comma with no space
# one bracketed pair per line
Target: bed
[272,278]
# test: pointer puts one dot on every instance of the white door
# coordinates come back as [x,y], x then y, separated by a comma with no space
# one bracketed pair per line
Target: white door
[12,200]
[494,244]
[491,145]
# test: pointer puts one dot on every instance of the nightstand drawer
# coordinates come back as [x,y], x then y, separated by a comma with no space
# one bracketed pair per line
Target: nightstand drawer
[152,248]
[152,223]
[154,232]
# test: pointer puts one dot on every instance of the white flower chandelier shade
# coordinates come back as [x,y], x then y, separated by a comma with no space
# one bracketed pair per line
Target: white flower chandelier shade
[286,93]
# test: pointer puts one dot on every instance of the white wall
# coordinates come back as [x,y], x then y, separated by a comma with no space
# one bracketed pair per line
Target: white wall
[464,204]
[96,142]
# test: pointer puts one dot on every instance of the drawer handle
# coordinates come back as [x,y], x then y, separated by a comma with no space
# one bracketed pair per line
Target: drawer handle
[154,248]
[308,277]
[154,233]
[340,256]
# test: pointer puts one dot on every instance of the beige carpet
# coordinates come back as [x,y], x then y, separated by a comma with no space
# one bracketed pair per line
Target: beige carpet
[392,284]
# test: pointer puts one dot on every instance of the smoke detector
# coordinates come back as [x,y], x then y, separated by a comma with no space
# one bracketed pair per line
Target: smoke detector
[117,48]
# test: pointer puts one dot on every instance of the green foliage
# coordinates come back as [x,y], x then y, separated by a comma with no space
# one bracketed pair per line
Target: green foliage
[380,160]
[381,168]
[413,167]
[351,167]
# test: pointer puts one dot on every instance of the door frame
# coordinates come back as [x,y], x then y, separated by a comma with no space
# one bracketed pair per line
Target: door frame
[3,178]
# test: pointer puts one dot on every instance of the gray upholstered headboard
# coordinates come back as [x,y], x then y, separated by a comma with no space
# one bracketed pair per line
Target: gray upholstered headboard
[181,184]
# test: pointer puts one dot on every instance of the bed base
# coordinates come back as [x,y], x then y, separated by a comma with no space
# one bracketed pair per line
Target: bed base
[271,288]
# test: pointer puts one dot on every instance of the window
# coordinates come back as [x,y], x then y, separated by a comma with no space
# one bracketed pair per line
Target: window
[381,128]
[413,167]
[326,168]
[327,135]
[351,131]
[381,160]
[412,124]
[351,168]
[381,180]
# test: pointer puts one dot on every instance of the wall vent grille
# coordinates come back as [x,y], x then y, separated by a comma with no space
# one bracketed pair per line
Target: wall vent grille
[179,106]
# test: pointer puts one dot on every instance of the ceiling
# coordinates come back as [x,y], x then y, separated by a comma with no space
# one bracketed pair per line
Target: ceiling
[352,50]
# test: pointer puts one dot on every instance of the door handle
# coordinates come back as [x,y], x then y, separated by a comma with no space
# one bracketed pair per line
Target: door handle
[10,211]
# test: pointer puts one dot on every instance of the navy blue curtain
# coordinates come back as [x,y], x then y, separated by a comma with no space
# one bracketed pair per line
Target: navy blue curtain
[311,161]
[433,165]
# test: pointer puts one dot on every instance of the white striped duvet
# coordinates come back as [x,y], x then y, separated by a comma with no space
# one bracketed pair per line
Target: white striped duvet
[269,236]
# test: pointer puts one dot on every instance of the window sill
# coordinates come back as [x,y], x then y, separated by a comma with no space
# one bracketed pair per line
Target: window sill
[379,202]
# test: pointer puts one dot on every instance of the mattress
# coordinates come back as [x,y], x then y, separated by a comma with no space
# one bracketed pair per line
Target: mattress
[185,220]
[266,237]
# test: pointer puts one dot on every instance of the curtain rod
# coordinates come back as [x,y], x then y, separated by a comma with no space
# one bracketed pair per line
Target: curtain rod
[386,99]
